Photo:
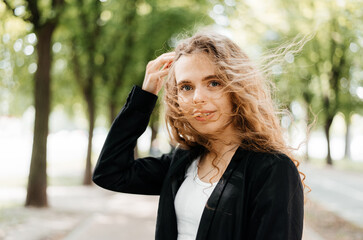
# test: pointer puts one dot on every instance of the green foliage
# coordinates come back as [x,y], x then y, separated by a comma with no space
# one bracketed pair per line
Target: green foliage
[120,37]
[323,75]
[113,44]
[17,65]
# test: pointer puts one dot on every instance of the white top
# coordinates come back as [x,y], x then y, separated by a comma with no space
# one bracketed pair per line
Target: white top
[190,201]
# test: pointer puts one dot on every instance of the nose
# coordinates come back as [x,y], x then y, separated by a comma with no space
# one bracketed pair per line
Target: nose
[199,96]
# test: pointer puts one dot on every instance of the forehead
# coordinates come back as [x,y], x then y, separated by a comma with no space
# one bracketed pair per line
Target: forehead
[194,67]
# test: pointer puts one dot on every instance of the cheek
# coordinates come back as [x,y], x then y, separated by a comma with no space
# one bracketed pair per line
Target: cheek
[227,105]
[183,102]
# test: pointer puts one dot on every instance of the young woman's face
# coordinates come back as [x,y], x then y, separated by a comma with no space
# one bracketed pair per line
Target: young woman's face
[200,93]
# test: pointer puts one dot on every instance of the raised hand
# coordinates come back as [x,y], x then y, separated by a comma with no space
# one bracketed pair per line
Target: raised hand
[156,70]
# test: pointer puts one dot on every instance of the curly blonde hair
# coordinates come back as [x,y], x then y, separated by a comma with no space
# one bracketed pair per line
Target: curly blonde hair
[254,113]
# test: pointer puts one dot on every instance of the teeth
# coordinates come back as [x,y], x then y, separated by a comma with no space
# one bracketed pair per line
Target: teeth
[203,114]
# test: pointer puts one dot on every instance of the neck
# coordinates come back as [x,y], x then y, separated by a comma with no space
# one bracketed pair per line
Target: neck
[223,148]
[225,142]
[224,152]
[207,169]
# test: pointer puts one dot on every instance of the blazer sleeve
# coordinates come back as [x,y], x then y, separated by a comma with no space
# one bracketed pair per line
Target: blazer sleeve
[116,168]
[278,202]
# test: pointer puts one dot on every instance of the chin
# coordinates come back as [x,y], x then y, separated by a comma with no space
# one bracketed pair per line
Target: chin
[205,129]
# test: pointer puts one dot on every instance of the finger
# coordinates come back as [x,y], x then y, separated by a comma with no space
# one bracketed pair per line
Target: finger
[162,78]
[160,74]
[155,81]
[167,54]
[166,65]
[160,61]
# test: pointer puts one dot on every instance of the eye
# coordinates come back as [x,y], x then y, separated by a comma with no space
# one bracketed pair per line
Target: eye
[214,83]
[185,87]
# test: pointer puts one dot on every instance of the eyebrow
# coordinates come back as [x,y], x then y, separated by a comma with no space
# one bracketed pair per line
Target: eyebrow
[209,77]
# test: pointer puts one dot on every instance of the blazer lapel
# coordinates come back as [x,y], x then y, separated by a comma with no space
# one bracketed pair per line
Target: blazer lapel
[176,173]
[182,159]
[166,226]
[212,203]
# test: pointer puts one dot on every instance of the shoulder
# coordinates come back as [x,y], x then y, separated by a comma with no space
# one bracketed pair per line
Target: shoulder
[192,152]
[277,165]
[262,160]
[179,154]
[267,160]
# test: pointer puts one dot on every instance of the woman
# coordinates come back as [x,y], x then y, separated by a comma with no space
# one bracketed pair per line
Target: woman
[231,175]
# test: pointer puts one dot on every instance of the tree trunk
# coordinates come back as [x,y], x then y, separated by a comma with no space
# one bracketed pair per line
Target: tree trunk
[347,153]
[154,131]
[89,35]
[113,112]
[129,32]
[327,125]
[307,158]
[37,180]
[307,96]
[87,178]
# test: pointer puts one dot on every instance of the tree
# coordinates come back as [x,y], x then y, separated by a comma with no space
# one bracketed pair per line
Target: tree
[44,22]
[145,34]
[17,64]
[320,72]
[85,39]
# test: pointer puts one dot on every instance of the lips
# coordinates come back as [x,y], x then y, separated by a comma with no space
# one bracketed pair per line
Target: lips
[203,115]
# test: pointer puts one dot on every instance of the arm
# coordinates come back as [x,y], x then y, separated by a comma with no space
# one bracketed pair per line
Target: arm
[116,168]
[277,202]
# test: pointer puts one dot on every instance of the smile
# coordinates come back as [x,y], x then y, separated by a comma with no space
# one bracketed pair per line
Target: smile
[203,116]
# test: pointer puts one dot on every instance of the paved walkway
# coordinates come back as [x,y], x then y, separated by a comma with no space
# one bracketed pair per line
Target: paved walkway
[338,191]
[91,213]
[87,213]
[82,213]
[125,217]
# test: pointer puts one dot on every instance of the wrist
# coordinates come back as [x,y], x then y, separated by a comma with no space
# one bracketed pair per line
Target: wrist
[150,90]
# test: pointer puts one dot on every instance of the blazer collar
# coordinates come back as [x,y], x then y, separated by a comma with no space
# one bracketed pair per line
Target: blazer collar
[212,203]
[182,159]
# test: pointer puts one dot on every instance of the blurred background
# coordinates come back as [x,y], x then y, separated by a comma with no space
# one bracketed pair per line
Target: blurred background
[67,66]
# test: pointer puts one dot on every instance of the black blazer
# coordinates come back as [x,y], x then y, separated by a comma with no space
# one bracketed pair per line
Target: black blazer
[259,196]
